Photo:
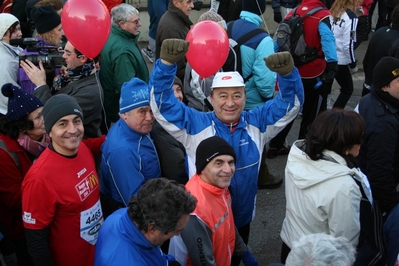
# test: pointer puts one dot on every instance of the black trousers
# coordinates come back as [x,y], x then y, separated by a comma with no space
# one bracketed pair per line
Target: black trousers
[344,79]
[285,250]
[244,233]
[315,102]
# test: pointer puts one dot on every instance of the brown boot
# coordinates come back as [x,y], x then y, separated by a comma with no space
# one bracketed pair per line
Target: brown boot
[265,179]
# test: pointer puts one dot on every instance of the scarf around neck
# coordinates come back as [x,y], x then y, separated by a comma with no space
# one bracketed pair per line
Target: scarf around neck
[69,75]
[33,146]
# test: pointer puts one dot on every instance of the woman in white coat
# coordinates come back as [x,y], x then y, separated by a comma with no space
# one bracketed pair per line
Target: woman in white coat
[322,182]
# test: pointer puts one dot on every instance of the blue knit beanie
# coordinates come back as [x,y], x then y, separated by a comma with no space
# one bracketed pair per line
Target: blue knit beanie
[20,103]
[134,94]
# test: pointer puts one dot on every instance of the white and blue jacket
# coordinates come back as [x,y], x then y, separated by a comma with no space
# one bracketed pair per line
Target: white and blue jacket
[254,129]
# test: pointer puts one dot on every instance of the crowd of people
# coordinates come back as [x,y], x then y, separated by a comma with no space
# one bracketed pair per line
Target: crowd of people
[104,162]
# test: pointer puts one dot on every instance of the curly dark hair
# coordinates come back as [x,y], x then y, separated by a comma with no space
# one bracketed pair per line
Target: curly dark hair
[335,130]
[12,129]
[162,202]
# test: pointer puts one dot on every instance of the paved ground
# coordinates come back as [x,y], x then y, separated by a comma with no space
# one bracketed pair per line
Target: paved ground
[265,239]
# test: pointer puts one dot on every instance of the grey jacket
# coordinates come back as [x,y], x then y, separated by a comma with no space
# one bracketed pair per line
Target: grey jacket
[88,94]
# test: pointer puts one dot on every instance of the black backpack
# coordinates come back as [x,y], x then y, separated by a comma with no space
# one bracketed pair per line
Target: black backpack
[233,61]
[290,38]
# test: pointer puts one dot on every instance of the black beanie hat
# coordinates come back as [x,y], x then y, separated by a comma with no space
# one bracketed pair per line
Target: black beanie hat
[59,106]
[386,70]
[45,18]
[20,103]
[257,7]
[177,81]
[210,148]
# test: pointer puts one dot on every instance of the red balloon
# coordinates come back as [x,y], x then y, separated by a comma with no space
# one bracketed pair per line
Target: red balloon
[87,25]
[209,48]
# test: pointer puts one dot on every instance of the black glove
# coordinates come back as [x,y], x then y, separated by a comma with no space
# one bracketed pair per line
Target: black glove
[277,17]
[198,5]
[329,74]
[172,50]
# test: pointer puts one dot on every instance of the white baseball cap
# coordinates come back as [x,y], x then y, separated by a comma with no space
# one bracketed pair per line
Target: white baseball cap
[227,80]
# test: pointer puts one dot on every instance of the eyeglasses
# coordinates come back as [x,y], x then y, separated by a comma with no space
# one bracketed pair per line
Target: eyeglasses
[134,21]
[68,53]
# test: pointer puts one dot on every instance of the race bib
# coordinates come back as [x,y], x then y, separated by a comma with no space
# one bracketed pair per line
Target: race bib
[90,223]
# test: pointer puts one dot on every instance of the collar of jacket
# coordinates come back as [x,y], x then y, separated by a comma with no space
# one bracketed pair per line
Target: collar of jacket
[391,105]
[179,14]
[217,191]
[10,49]
[131,133]
[132,233]
[124,34]
[251,17]
[220,124]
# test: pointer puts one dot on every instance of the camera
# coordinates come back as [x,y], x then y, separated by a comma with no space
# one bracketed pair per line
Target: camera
[50,56]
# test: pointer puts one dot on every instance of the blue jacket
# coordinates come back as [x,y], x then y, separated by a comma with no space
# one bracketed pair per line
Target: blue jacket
[129,160]
[260,87]
[156,9]
[120,242]
[190,127]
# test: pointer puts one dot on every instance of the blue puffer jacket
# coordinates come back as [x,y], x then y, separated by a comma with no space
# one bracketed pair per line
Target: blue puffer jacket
[120,242]
[260,87]
[190,127]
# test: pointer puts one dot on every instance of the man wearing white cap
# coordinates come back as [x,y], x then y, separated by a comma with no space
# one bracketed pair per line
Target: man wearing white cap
[246,131]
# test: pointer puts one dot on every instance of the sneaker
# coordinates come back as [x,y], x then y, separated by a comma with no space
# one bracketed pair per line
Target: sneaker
[148,53]
[274,152]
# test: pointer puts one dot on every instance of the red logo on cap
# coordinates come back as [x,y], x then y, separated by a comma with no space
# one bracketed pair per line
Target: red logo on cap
[226,77]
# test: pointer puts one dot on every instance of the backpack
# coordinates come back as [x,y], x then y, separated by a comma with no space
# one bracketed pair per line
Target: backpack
[233,61]
[13,155]
[290,38]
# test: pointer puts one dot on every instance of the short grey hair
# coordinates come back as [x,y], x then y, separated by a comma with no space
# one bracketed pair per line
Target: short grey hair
[122,12]
[213,16]
[321,250]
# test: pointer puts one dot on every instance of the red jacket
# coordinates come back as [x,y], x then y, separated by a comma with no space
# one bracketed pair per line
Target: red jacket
[312,37]
[10,187]
[214,209]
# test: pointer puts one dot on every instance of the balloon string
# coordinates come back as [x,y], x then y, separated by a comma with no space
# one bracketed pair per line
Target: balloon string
[263,19]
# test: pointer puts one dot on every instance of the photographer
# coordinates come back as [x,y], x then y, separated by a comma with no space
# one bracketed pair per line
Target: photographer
[77,79]
[49,34]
